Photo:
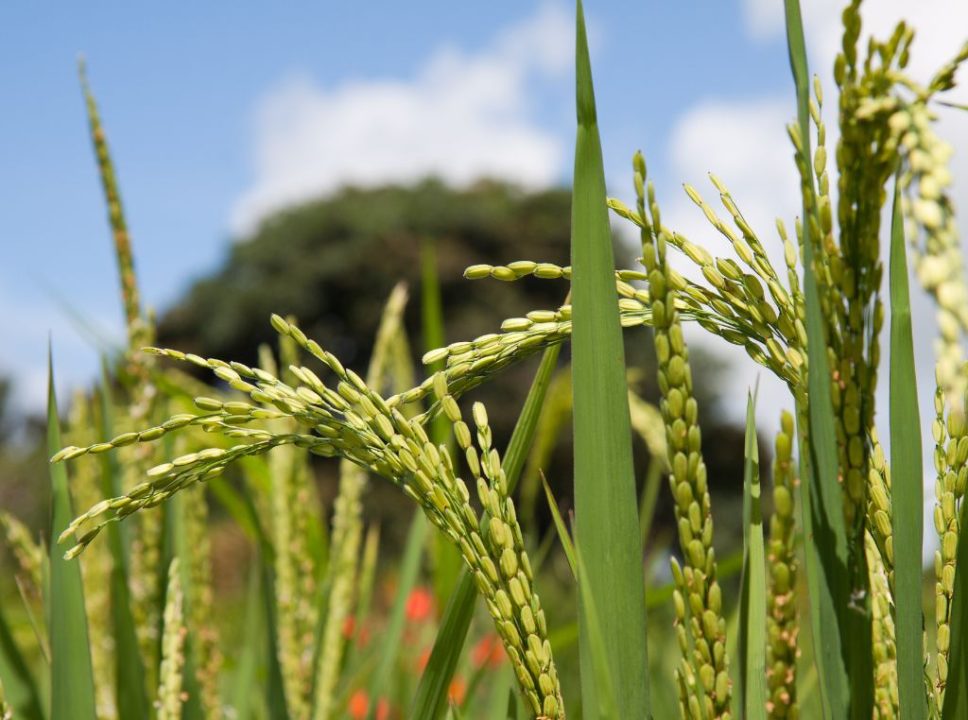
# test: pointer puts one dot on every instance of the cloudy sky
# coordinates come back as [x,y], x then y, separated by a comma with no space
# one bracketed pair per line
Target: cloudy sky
[220,113]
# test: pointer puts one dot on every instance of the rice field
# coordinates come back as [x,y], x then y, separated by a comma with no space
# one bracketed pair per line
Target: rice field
[116,615]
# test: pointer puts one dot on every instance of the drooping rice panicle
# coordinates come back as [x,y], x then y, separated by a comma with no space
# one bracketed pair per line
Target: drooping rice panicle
[348,526]
[357,423]
[951,464]
[783,627]
[736,307]
[703,671]
[506,584]
[171,675]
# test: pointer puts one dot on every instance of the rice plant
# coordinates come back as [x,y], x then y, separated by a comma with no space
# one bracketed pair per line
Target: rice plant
[833,557]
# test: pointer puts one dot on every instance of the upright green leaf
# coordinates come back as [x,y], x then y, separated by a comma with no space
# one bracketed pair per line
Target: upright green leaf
[248,655]
[393,634]
[837,632]
[132,697]
[606,522]
[430,700]
[72,677]
[561,528]
[607,703]
[907,484]
[752,611]
[275,695]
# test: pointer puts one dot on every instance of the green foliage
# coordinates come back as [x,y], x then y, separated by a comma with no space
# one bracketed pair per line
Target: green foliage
[612,602]
[907,483]
[72,679]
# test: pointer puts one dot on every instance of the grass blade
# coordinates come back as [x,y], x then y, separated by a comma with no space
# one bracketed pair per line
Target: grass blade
[409,569]
[752,612]
[132,697]
[606,706]
[252,648]
[72,677]
[275,695]
[430,700]
[907,487]
[561,528]
[835,634]
[607,525]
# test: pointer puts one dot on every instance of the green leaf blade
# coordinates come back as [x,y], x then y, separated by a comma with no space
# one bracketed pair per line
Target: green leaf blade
[72,676]
[907,484]
[607,527]
[752,616]
[393,634]
[132,697]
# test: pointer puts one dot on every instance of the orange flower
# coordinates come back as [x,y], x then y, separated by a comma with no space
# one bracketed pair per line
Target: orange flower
[382,709]
[420,604]
[359,704]
[457,690]
[488,652]
[349,627]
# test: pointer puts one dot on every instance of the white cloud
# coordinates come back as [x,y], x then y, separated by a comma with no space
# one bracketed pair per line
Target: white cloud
[940,26]
[462,117]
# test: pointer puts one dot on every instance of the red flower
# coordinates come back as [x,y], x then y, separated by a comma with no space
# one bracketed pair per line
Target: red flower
[488,652]
[457,690]
[349,627]
[360,704]
[420,604]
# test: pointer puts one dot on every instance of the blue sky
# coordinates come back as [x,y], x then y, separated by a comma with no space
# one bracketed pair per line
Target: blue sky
[219,112]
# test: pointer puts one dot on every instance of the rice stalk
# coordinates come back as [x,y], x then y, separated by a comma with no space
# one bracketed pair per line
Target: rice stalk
[702,674]
[950,455]
[171,696]
[294,609]
[200,601]
[783,627]
[145,573]
[886,698]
